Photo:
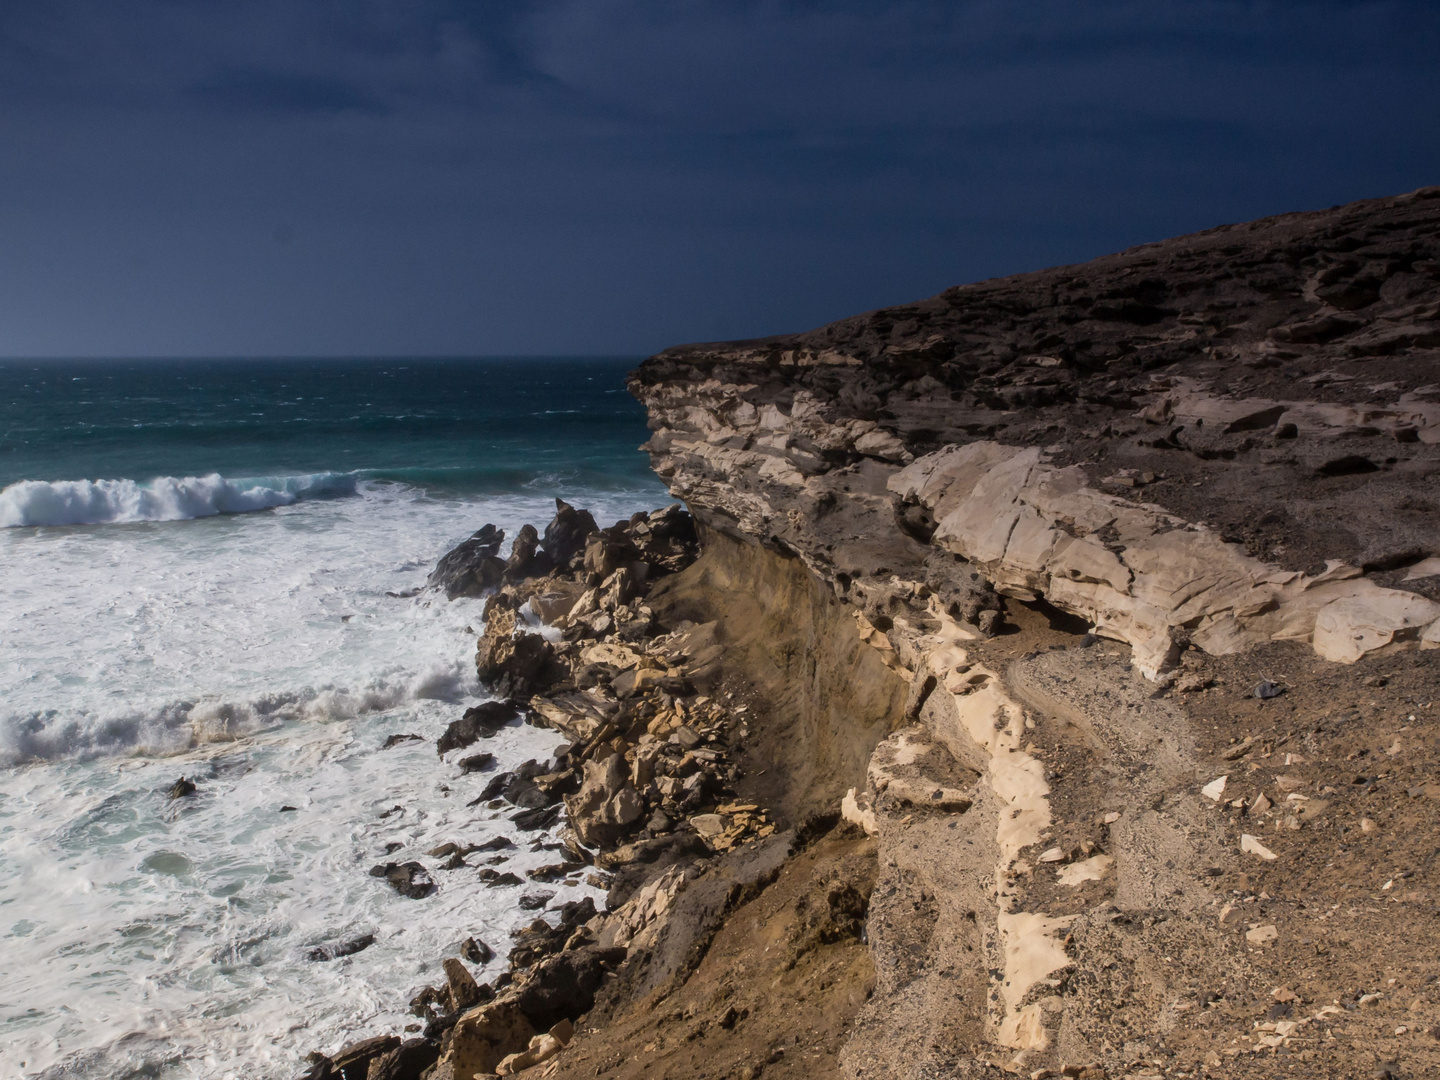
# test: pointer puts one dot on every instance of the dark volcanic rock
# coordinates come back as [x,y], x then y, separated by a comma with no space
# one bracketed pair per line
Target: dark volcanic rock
[408,1061]
[473,567]
[408,879]
[476,951]
[566,534]
[565,985]
[481,721]
[541,818]
[396,740]
[181,788]
[338,949]
[526,557]
[353,1062]
[476,763]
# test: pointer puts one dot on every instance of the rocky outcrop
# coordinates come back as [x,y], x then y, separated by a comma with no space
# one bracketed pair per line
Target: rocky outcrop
[1215,447]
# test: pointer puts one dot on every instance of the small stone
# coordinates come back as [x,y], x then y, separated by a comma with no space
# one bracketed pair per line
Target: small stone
[1367,825]
[1112,817]
[1053,855]
[1231,914]
[1265,689]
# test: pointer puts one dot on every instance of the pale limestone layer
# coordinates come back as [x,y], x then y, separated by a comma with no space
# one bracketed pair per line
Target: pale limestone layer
[1192,401]
[1138,574]
[988,731]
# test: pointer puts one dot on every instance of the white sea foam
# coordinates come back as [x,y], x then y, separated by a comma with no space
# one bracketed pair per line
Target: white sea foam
[269,656]
[165,498]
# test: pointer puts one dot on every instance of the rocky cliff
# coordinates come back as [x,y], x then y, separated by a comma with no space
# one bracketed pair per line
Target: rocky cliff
[1144,557]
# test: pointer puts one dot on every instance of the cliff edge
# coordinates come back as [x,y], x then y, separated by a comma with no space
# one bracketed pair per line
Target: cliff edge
[1148,549]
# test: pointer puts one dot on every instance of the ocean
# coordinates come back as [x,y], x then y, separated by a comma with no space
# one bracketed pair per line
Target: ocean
[208,569]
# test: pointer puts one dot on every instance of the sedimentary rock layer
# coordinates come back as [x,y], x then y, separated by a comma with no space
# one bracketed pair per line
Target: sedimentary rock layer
[1214,446]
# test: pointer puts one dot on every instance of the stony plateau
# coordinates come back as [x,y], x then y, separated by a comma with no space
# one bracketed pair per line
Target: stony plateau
[1057,657]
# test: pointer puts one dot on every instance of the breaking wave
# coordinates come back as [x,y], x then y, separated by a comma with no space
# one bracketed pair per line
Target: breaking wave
[166,498]
[180,726]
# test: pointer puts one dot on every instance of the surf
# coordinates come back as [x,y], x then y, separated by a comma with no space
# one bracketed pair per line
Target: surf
[164,498]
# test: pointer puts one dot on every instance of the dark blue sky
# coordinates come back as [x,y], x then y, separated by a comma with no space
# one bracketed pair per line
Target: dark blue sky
[261,177]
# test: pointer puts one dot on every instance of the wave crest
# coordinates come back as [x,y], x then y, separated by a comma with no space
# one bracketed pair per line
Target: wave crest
[166,498]
[177,727]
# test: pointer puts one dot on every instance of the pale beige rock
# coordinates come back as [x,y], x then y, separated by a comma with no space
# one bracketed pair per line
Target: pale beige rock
[1033,529]
[484,1034]
[1091,869]
[1214,789]
[857,809]
[1253,846]
[1262,935]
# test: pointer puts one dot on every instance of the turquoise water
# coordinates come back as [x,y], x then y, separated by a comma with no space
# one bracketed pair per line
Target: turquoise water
[456,427]
[215,569]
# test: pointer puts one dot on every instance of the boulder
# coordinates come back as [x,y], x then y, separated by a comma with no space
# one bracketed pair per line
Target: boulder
[567,533]
[517,664]
[408,1061]
[460,985]
[526,559]
[353,1062]
[472,568]
[337,949]
[481,721]
[483,1037]
[408,879]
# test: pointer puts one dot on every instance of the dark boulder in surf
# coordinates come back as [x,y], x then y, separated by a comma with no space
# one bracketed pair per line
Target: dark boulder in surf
[336,949]
[567,532]
[473,567]
[408,879]
[181,788]
[481,721]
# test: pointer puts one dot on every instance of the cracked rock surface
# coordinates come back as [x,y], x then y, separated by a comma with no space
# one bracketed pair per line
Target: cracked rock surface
[1072,511]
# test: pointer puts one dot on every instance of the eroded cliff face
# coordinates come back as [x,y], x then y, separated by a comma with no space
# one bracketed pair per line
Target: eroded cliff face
[930,523]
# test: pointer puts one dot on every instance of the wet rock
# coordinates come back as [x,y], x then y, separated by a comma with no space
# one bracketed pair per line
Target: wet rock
[396,740]
[482,721]
[460,985]
[542,818]
[473,567]
[526,559]
[500,881]
[353,1062]
[180,789]
[476,951]
[535,901]
[348,947]
[408,879]
[476,763]
[567,533]
[408,1061]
